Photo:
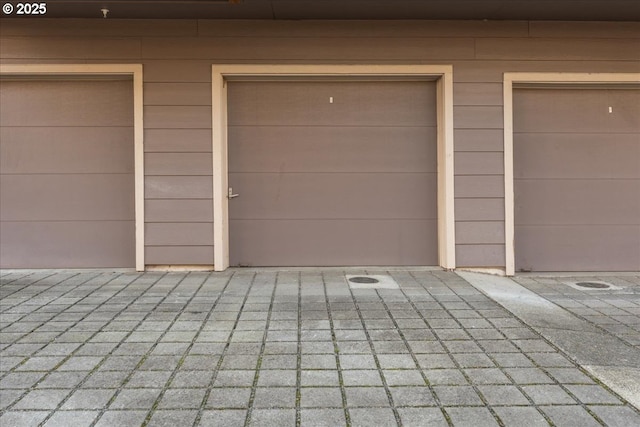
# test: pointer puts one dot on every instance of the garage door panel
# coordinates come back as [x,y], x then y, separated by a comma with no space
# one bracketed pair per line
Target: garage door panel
[577,110]
[56,244]
[354,104]
[332,149]
[625,110]
[595,202]
[336,195]
[86,197]
[66,150]
[351,242]
[577,186]
[66,103]
[348,182]
[577,155]
[67,174]
[587,248]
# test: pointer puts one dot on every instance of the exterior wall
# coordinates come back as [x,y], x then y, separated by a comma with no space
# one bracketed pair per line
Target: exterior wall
[177,57]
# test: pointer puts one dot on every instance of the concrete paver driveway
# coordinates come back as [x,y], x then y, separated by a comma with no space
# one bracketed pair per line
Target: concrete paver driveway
[285,348]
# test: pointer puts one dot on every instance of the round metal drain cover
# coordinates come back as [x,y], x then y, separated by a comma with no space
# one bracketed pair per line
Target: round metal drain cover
[592,285]
[361,279]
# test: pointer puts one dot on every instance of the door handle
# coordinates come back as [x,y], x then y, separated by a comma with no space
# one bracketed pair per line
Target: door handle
[230,195]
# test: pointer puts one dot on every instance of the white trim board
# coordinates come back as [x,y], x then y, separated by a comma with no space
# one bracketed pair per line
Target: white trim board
[133,71]
[546,81]
[442,73]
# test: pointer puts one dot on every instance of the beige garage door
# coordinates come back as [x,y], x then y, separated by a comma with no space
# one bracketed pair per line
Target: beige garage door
[577,179]
[332,173]
[66,174]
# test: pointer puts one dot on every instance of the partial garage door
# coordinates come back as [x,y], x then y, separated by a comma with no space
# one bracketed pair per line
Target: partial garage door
[332,173]
[577,179]
[66,174]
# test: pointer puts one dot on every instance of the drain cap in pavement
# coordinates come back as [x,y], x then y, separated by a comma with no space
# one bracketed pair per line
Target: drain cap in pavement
[593,286]
[371,281]
[363,279]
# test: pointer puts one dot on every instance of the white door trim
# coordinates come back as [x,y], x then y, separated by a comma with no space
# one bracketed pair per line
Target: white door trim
[544,80]
[130,70]
[444,75]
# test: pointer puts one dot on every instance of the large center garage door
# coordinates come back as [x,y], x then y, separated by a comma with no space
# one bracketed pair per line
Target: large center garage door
[332,173]
[577,179]
[66,174]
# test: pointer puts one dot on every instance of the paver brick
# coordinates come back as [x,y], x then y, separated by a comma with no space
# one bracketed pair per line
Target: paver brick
[361,355]
[229,398]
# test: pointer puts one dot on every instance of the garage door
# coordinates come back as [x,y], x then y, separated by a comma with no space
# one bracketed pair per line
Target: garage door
[577,179]
[66,174]
[332,173]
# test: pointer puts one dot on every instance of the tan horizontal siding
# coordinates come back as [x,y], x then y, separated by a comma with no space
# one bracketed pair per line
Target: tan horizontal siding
[558,48]
[377,29]
[473,209]
[183,94]
[177,56]
[293,48]
[185,255]
[478,140]
[478,117]
[178,164]
[603,30]
[177,140]
[99,28]
[480,255]
[484,163]
[79,48]
[180,117]
[479,232]
[477,94]
[178,210]
[178,187]
[479,186]
[179,234]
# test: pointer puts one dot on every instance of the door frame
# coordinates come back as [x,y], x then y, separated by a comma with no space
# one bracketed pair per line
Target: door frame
[443,74]
[133,71]
[546,81]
